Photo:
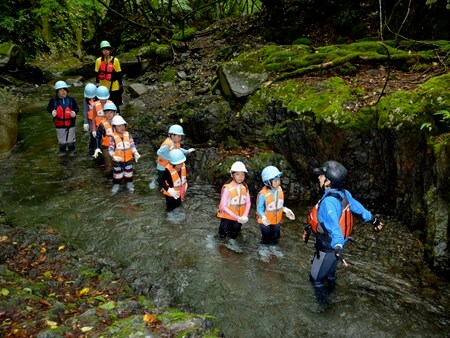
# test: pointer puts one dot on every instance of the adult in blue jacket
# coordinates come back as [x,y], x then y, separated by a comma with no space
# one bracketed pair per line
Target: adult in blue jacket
[334,224]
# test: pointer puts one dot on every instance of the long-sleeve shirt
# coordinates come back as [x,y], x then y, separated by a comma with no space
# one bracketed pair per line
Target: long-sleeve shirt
[261,206]
[330,211]
[164,152]
[225,201]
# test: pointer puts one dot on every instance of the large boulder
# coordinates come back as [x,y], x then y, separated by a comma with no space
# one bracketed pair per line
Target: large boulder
[241,78]
[9,122]
[11,56]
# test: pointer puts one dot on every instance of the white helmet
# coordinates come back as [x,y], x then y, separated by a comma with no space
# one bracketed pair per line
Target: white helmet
[238,166]
[118,120]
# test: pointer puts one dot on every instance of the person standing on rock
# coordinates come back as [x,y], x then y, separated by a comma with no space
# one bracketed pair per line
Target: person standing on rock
[64,110]
[173,141]
[331,222]
[109,74]
[234,203]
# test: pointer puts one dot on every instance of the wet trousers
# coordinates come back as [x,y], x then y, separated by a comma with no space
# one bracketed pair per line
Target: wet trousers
[270,234]
[229,228]
[66,139]
[122,170]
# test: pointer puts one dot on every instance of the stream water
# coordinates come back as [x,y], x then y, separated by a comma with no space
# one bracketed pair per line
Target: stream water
[253,291]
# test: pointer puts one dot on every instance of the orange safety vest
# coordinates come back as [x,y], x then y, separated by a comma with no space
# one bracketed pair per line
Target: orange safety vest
[345,222]
[106,70]
[237,199]
[63,117]
[179,183]
[274,209]
[90,109]
[123,146]
[172,145]
[106,139]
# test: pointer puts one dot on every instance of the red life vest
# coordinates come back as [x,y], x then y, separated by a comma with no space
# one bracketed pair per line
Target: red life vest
[106,70]
[63,117]
[345,222]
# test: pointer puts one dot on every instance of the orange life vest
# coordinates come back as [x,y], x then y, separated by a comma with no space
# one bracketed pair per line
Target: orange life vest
[123,146]
[274,209]
[63,117]
[345,222]
[91,109]
[106,70]
[172,145]
[106,139]
[179,183]
[237,199]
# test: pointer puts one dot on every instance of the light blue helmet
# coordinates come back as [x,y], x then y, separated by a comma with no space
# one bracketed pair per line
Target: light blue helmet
[109,106]
[102,93]
[176,129]
[90,90]
[61,84]
[270,173]
[176,156]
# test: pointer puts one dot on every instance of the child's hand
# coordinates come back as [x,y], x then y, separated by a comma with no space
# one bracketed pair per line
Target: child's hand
[265,221]
[289,213]
[86,127]
[54,113]
[243,219]
[73,114]
[172,192]
[117,158]
[137,156]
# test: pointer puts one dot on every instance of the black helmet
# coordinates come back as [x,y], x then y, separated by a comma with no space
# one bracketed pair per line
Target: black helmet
[335,172]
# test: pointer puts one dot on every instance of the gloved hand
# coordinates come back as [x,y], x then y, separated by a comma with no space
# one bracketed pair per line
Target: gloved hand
[289,214]
[117,158]
[265,221]
[376,223]
[73,114]
[54,113]
[172,192]
[339,253]
[243,219]
[137,156]
[97,152]
[94,134]
[191,150]
[86,127]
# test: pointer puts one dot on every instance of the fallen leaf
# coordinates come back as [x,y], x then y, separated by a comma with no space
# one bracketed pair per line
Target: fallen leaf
[51,324]
[43,250]
[4,292]
[61,247]
[45,302]
[86,328]
[82,292]
[149,318]
[3,238]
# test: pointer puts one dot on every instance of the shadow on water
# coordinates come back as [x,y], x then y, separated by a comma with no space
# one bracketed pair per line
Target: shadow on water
[253,291]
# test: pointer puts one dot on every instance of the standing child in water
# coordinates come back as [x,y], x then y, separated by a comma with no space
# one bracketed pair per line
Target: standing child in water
[103,138]
[174,183]
[270,206]
[234,202]
[122,151]
[64,110]
[173,141]
[90,91]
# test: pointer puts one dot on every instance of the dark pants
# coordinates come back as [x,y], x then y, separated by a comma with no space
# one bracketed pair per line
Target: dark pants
[160,178]
[229,228]
[172,203]
[323,275]
[116,97]
[270,234]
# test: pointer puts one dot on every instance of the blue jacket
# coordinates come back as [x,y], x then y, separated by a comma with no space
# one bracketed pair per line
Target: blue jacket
[329,213]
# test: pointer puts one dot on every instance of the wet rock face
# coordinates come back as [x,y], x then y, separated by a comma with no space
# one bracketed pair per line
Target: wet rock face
[11,56]
[9,122]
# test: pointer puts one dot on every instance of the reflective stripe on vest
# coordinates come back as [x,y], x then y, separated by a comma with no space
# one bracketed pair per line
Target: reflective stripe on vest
[106,139]
[63,117]
[274,209]
[179,183]
[91,109]
[106,70]
[237,201]
[345,221]
[172,145]
[123,146]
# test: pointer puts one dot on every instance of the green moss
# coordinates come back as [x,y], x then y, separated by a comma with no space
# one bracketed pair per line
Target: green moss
[4,48]
[164,52]
[302,41]
[187,34]
[168,75]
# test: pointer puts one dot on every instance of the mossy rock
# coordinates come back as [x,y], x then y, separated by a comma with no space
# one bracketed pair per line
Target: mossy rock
[185,34]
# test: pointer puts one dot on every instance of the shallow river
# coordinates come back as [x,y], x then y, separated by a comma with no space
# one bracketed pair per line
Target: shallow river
[252,291]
